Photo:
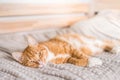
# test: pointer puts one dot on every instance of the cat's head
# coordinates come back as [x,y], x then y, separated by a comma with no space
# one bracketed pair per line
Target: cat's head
[33,56]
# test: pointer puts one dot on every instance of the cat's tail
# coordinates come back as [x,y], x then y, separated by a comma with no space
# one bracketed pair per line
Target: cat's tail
[112,46]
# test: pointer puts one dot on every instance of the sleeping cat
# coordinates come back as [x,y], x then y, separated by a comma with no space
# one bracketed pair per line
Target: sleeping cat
[67,48]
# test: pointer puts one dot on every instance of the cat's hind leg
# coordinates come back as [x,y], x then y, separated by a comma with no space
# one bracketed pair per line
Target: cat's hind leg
[81,59]
[90,62]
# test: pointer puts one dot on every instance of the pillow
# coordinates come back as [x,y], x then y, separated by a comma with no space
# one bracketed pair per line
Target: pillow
[100,26]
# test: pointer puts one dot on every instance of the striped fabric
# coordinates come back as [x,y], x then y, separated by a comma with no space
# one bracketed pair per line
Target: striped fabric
[102,26]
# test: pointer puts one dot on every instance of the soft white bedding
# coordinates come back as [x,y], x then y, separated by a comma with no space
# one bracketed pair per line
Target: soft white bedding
[102,26]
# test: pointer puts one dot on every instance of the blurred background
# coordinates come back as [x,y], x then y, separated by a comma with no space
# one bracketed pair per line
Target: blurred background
[23,15]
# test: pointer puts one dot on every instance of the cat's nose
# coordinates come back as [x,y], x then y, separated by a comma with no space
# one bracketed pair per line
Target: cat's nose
[41,64]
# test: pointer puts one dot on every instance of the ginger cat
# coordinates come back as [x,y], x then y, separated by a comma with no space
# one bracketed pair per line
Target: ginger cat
[67,48]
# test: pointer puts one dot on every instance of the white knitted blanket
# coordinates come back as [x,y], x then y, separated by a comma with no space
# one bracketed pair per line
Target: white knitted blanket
[107,26]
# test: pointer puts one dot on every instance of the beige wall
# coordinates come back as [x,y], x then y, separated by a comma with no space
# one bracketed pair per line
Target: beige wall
[106,4]
[43,1]
[21,15]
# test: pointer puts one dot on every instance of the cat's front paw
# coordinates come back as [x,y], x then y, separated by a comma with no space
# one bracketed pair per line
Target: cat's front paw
[94,62]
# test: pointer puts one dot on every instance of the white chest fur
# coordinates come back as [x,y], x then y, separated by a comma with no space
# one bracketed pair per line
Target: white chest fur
[51,56]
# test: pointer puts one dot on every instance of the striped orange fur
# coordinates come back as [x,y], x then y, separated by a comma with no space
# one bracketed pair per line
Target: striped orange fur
[67,48]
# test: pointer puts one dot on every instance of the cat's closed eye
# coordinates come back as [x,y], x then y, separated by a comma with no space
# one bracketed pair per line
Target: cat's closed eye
[36,62]
[32,61]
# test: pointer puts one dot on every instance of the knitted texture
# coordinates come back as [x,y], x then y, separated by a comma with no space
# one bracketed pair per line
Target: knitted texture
[103,27]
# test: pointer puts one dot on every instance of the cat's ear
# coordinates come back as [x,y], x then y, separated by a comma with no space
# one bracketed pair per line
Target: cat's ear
[17,56]
[31,41]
